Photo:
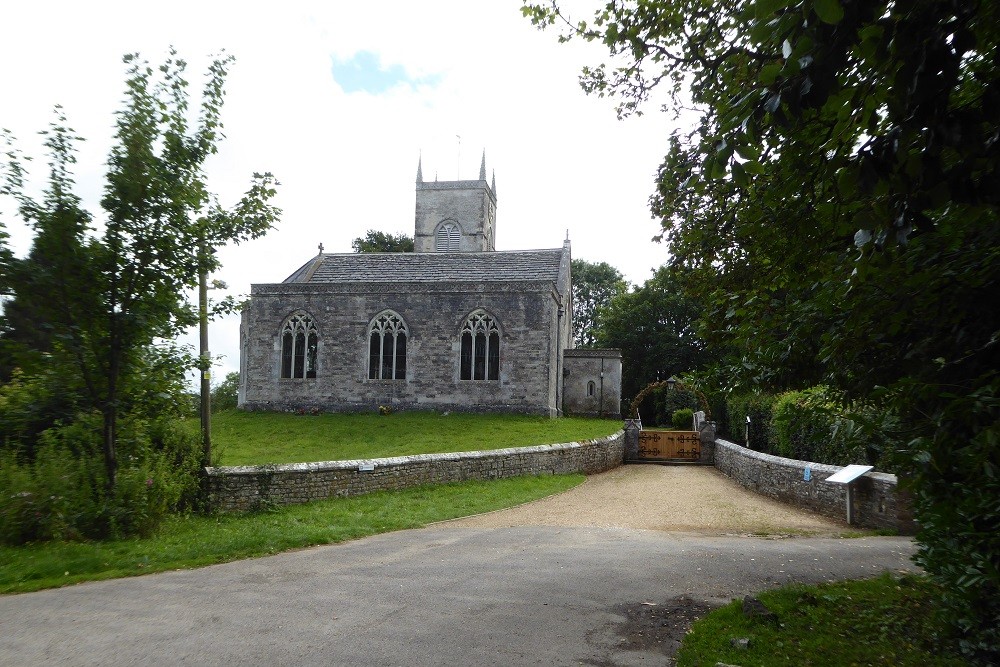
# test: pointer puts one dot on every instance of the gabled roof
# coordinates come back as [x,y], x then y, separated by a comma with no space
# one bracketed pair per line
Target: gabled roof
[503,266]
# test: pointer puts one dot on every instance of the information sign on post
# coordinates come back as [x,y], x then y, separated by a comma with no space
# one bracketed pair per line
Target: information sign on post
[847,476]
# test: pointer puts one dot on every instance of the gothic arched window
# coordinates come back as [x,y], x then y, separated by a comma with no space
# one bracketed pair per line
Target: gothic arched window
[387,347]
[299,341]
[447,237]
[480,348]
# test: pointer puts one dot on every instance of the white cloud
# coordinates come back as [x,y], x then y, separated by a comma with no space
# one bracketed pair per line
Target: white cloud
[347,161]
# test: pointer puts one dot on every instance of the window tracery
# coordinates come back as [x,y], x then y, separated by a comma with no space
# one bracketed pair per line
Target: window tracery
[299,344]
[387,347]
[480,358]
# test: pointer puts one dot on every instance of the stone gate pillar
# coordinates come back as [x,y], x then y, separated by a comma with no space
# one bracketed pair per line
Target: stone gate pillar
[632,428]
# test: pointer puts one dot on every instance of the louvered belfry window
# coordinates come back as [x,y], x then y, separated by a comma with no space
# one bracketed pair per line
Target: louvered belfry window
[447,238]
[299,343]
[387,347]
[480,348]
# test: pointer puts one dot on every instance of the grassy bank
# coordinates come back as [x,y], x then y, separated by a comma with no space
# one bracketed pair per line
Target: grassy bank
[888,621]
[194,541]
[248,438]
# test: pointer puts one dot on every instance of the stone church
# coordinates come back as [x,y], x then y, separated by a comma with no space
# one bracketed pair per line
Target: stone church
[455,325]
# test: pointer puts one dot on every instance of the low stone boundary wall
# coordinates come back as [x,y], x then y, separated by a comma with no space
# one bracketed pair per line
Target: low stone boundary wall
[877,503]
[250,487]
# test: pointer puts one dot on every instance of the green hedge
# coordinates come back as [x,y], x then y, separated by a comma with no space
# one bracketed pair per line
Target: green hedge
[759,407]
[658,408]
[683,419]
[812,425]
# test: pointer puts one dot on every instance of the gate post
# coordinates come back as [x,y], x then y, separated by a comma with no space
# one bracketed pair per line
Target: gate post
[707,435]
[632,428]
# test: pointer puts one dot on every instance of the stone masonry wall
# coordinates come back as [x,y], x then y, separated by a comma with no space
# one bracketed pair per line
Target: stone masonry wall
[470,204]
[248,487]
[877,503]
[603,368]
[434,314]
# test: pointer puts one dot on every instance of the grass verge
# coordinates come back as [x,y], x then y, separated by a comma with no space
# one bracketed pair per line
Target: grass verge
[195,541]
[257,438]
[884,621]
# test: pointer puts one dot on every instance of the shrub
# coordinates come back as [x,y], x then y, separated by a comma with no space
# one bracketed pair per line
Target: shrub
[814,425]
[28,406]
[62,492]
[802,424]
[957,504]
[50,497]
[668,401]
[683,419]
[758,406]
[225,395]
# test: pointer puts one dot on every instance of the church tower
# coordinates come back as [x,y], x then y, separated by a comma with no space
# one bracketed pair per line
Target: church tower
[455,216]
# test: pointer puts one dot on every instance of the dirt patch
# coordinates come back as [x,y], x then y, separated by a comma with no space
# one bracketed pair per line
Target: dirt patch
[659,627]
[647,627]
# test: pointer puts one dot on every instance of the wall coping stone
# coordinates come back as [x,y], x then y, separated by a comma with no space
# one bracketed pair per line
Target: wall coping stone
[797,463]
[393,461]
[877,500]
[594,352]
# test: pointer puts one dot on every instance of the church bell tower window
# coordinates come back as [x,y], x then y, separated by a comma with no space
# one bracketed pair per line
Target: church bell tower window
[480,348]
[387,347]
[447,238]
[299,343]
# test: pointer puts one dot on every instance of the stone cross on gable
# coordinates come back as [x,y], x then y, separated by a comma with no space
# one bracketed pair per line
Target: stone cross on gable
[321,248]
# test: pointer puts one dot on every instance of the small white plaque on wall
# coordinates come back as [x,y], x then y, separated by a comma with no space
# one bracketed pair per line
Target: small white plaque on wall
[366,467]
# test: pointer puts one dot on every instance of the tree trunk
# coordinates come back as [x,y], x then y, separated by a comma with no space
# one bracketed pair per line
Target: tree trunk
[111,418]
[110,456]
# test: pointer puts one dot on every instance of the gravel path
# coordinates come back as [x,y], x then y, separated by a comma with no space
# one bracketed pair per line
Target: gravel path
[688,499]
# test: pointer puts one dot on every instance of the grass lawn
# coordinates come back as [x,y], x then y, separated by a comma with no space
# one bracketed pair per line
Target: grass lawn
[888,621]
[255,438]
[194,541]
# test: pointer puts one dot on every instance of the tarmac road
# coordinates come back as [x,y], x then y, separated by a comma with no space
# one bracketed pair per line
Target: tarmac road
[448,594]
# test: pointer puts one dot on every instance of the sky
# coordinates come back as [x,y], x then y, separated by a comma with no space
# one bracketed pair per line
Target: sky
[339,100]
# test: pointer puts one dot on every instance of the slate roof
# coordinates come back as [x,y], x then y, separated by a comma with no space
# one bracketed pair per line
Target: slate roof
[504,266]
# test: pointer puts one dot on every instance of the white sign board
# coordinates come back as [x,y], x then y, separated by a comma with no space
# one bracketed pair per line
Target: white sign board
[366,467]
[848,474]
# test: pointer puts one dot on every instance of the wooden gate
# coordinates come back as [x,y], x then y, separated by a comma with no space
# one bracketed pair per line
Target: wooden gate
[669,445]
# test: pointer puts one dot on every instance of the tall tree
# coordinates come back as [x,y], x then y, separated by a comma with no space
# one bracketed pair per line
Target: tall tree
[654,325]
[839,199]
[109,297]
[594,286]
[43,285]
[376,241]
